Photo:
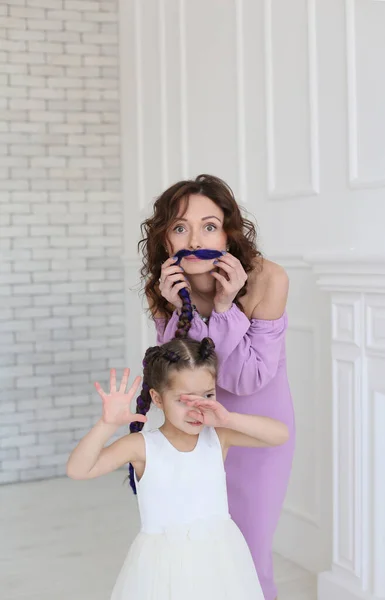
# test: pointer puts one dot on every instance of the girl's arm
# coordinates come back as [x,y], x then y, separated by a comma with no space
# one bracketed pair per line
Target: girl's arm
[235,429]
[91,459]
[252,431]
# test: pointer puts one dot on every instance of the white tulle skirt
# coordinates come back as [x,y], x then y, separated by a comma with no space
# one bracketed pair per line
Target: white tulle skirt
[204,561]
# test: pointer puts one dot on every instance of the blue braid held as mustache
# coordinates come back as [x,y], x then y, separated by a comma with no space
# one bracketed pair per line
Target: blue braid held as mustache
[186,315]
[204,254]
[187,311]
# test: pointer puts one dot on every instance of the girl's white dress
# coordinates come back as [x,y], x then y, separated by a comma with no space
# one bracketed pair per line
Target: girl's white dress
[188,547]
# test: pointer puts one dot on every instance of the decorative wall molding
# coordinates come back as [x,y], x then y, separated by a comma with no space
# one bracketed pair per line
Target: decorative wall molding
[375,325]
[377,449]
[312,518]
[355,181]
[349,272]
[183,89]
[163,92]
[273,192]
[139,105]
[241,110]
[347,456]
[346,319]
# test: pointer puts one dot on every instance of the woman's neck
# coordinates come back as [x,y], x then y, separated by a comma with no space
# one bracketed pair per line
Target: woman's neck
[203,286]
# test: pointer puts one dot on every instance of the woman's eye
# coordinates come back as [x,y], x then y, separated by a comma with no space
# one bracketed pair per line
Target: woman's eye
[210,227]
[179,229]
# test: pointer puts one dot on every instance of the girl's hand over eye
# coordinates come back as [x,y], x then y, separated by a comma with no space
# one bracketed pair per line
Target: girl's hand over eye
[209,412]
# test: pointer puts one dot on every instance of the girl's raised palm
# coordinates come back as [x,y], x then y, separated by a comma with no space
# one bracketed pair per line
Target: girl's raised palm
[117,403]
[209,412]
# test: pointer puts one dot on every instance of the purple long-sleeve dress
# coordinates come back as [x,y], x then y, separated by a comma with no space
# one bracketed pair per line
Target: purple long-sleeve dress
[252,379]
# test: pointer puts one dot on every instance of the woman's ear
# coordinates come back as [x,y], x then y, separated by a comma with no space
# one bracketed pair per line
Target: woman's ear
[156,398]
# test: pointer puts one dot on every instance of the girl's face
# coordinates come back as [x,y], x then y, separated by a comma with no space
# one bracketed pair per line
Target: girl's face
[200,227]
[197,382]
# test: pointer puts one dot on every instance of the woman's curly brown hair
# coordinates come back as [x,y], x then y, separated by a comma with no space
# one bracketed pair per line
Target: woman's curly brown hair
[240,232]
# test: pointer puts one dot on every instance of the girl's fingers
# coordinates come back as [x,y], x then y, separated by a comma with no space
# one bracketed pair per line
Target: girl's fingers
[195,415]
[209,406]
[198,402]
[123,383]
[188,402]
[112,380]
[190,397]
[134,388]
[204,404]
[99,389]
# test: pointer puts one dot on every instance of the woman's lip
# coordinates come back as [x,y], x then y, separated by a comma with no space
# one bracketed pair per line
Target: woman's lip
[192,258]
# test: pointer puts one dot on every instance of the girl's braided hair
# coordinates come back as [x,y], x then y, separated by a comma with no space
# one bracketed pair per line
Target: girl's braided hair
[160,362]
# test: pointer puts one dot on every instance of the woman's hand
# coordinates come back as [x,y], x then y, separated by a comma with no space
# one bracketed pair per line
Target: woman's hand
[117,404]
[209,412]
[231,278]
[168,286]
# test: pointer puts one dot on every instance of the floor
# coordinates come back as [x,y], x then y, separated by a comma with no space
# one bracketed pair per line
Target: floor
[66,540]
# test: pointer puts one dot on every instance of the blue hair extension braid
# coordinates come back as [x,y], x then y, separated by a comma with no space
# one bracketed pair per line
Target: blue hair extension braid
[186,315]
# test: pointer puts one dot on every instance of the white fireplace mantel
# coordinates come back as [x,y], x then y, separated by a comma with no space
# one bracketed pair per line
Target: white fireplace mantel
[356,283]
[349,272]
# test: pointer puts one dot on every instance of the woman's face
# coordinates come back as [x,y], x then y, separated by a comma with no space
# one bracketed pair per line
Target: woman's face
[200,227]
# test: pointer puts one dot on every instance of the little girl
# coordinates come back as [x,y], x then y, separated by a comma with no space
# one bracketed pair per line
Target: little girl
[188,547]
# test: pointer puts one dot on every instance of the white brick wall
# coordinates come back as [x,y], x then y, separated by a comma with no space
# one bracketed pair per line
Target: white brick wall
[61,285]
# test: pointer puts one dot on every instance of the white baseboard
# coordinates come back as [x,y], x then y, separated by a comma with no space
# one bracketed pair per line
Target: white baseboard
[331,587]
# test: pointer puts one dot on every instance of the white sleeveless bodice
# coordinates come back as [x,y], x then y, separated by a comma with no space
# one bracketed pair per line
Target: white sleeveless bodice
[178,488]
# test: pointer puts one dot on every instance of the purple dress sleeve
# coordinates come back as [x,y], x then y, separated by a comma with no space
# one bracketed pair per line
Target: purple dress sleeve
[249,352]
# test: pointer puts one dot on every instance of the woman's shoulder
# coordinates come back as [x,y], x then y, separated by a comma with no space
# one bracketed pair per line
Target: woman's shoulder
[268,288]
